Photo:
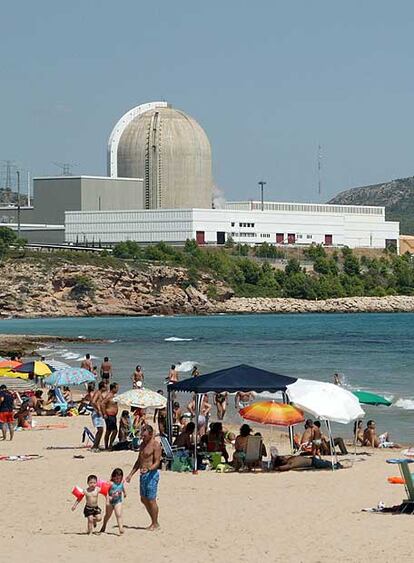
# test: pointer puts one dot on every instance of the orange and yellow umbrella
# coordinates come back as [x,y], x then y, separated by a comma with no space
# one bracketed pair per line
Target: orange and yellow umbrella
[10,364]
[270,412]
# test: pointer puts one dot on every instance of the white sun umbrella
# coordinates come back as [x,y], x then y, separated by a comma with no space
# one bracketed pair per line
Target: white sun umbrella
[142,398]
[326,401]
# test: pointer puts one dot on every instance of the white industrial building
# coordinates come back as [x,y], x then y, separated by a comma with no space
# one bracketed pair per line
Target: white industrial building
[245,222]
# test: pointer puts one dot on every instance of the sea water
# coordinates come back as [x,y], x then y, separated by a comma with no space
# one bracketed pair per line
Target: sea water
[373,352]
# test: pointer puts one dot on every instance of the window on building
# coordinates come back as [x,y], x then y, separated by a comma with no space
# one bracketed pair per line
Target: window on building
[308,236]
[232,224]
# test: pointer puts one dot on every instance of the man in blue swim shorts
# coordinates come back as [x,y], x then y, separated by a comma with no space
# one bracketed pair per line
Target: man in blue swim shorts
[148,462]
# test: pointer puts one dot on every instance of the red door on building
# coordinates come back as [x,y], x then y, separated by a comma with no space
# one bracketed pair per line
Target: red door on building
[291,238]
[328,240]
[200,237]
[280,238]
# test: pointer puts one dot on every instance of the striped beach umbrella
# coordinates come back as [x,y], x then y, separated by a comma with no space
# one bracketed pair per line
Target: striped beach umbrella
[270,412]
[70,376]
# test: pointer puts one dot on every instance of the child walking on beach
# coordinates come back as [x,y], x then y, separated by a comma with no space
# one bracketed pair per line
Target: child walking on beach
[91,511]
[114,501]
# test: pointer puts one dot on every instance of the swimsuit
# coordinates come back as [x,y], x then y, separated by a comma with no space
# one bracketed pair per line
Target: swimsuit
[110,421]
[116,491]
[97,420]
[148,484]
[91,511]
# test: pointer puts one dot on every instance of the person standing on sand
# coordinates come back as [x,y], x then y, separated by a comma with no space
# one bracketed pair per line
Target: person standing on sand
[138,378]
[148,462]
[106,369]
[87,363]
[6,412]
[98,420]
[173,378]
[110,412]
[220,400]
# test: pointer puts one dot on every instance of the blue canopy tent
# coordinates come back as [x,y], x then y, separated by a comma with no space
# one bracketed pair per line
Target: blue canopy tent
[238,378]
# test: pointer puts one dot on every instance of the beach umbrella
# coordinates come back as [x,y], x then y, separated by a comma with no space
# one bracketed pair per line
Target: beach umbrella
[13,374]
[270,412]
[57,364]
[17,384]
[325,400]
[367,398]
[70,376]
[40,369]
[142,398]
[9,364]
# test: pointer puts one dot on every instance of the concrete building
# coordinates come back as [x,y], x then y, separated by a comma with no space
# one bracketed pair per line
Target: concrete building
[56,194]
[278,223]
[169,150]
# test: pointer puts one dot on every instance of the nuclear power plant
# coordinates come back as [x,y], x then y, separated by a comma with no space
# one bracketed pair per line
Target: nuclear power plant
[170,152]
[159,187]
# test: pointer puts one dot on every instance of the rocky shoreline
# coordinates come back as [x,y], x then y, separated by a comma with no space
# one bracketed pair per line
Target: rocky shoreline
[30,289]
[388,304]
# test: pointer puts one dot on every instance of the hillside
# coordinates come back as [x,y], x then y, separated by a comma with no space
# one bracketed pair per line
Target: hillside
[397,196]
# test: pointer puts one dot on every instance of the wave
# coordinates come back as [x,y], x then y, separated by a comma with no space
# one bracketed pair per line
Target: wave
[177,339]
[185,366]
[70,356]
[406,404]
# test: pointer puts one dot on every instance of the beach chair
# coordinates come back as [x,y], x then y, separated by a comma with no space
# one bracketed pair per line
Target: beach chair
[87,436]
[253,455]
[60,401]
[168,451]
[408,504]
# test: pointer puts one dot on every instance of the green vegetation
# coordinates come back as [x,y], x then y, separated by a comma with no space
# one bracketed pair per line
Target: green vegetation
[9,241]
[397,196]
[333,275]
[83,287]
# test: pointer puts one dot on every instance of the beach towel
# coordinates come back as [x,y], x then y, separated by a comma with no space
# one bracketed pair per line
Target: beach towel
[24,457]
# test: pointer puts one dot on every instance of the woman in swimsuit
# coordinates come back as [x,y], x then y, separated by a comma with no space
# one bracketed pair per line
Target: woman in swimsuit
[114,501]
[220,400]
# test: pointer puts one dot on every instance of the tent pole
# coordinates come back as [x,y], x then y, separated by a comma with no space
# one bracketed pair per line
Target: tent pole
[197,414]
[328,426]
[169,414]
[291,428]
[333,445]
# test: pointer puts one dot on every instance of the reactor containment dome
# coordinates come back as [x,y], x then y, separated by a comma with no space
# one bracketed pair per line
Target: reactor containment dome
[167,149]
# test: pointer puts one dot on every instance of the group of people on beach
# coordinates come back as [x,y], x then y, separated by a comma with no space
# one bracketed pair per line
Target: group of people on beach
[148,464]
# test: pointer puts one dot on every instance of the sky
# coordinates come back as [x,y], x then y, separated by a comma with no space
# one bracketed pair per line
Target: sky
[268,81]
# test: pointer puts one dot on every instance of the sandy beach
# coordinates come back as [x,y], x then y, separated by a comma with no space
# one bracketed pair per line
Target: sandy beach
[307,516]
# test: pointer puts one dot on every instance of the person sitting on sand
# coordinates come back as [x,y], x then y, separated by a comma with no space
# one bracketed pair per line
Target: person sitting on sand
[214,440]
[91,511]
[139,420]
[36,403]
[371,439]
[325,446]
[186,438]
[307,437]
[85,404]
[240,446]
[24,416]
[358,432]
[67,395]
[287,463]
